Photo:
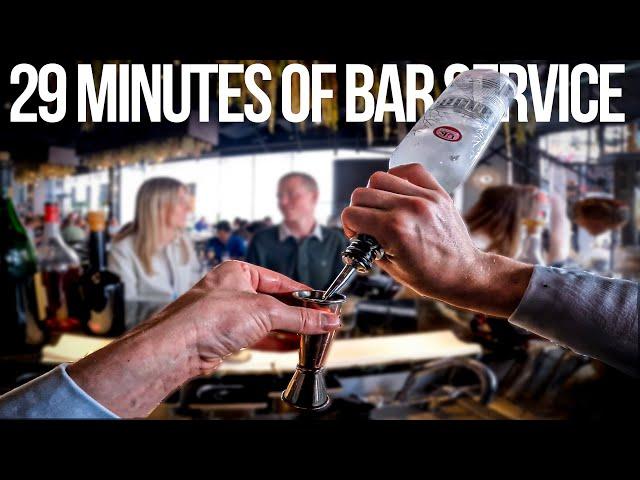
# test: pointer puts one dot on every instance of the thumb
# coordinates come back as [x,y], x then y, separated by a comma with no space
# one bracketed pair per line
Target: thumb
[302,320]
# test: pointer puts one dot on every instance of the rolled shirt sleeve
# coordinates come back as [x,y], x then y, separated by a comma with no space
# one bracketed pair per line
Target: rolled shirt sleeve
[592,315]
[52,395]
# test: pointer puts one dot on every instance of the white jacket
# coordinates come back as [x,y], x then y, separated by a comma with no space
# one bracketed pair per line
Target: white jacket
[171,279]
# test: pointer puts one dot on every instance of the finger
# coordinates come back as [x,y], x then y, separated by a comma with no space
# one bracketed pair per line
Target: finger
[263,280]
[410,179]
[417,175]
[383,200]
[373,198]
[394,184]
[349,233]
[369,221]
[303,320]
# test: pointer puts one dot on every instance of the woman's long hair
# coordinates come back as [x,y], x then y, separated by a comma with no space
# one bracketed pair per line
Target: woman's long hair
[498,214]
[152,199]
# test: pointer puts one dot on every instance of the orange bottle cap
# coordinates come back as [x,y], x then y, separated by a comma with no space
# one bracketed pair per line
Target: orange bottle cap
[96,221]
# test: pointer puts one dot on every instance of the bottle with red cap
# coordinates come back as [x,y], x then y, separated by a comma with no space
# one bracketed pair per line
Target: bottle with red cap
[61,270]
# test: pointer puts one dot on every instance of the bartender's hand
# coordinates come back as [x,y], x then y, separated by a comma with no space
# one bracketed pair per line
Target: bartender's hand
[427,245]
[230,308]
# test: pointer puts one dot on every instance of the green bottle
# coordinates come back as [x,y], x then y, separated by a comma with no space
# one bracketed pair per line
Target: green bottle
[22,296]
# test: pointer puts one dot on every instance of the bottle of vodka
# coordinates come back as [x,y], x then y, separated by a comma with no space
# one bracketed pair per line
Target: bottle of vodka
[454,132]
[448,141]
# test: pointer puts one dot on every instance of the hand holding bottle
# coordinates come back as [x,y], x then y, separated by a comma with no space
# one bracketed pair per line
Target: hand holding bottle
[427,245]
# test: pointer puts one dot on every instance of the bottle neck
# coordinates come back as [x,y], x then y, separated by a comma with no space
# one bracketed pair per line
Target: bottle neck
[532,243]
[52,230]
[532,247]
[97,250]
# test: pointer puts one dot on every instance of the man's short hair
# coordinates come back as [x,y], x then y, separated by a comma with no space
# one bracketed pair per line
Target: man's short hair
[223,226]
[307,179]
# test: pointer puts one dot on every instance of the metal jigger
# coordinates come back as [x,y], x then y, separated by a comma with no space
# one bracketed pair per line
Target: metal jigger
[307,389]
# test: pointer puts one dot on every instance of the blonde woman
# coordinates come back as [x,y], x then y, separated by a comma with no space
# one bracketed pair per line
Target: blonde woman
[152,255]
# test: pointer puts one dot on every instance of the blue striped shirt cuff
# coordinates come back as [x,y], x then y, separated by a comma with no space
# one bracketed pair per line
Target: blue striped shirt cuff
[53,395]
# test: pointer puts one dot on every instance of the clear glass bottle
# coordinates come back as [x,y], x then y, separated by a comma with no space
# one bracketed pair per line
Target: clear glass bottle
[61,270]
[448,141]
[531,250]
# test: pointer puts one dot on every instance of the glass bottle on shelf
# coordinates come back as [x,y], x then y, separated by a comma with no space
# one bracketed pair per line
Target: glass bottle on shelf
[102,290]
[22,296]
[61,270]
[531,251]
[532,226]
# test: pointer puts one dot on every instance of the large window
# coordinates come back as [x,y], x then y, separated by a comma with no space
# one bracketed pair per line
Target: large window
[580,145]
[242,185]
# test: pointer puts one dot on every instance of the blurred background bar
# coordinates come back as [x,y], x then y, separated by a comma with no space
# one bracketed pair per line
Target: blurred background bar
[560,194]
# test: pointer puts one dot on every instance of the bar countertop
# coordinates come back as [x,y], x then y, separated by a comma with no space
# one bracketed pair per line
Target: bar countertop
[344,354]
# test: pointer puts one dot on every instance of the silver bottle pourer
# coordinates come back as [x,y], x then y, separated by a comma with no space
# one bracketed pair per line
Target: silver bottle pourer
[362,252]
[357,257]
[307,389]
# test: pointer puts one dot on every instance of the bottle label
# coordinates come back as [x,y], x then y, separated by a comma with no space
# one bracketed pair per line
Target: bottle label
[41,296]
[450,134]
[467,107]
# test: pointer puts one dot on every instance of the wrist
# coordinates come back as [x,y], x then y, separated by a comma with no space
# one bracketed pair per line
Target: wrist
[132,375]
[501,284]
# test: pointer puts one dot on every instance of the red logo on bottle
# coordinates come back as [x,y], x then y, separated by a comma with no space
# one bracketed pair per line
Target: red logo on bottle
[449,134]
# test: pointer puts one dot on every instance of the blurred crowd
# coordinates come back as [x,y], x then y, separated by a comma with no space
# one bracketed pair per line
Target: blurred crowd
[74,228]
[163,250]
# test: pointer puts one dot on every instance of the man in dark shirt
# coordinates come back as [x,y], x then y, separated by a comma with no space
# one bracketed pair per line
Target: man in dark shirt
[299,247]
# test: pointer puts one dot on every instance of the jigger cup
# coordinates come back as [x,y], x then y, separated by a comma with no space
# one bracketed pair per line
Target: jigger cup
[307,389]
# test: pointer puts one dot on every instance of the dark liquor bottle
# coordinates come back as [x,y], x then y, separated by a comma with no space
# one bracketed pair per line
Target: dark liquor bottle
[102,290]
[60,267]
[21,296]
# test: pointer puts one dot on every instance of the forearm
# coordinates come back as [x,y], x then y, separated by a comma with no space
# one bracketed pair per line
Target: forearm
[134,374]
[494,287]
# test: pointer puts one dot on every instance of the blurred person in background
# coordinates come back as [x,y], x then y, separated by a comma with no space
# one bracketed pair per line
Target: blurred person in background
[72,229]
[255,227]
[299,247]
[268,222]
[225,245]
[241,229]
[152,254]
[495,221]
[201,225]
